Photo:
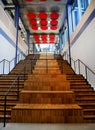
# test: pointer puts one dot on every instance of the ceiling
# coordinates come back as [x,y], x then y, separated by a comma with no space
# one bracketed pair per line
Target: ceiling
[43,18]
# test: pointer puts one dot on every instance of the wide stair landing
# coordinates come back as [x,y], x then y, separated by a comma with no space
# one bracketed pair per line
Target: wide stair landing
[47,97]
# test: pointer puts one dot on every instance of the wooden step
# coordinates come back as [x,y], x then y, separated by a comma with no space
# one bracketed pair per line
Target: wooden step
[8,118]
[14,92]
[89,111]
[80,86]
[41,87]
[74,76]
[83,91]
[47,97]
[46,86]
[42,113]
[9,105]
[85,100]
[89,118]
[8,111]
[87,105]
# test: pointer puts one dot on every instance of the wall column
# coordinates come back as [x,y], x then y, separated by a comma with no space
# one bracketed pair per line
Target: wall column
[28,40]
[17,27]
[60,41]
[67,15]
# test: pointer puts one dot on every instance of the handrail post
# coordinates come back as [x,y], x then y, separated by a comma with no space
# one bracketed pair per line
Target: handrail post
[5,111]
[79,65]
[18,87]
[86,72]
[9,66]
[3,66]
[31,66]
[46,63]
[24,72]
[74,66]
[61,65]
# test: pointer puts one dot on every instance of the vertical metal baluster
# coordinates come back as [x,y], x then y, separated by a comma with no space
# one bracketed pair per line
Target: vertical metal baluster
[79,65]
[5,111]
[18,87]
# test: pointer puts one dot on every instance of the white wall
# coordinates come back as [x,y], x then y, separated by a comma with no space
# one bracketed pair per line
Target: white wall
[83,47]
[8,38]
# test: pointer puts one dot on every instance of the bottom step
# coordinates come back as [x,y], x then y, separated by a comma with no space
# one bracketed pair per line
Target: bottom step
[8,118]
[42,113]
[89,119]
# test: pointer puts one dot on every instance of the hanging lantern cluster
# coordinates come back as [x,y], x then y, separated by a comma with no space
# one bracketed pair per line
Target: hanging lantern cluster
[43,20]
[44,39]
[42,0]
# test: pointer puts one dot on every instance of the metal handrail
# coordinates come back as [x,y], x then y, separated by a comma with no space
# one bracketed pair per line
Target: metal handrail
[12,85]
[9,62]
[79,67]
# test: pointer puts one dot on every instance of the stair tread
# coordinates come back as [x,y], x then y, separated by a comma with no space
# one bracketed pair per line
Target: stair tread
[7,109]
[86,103]
[90,110]
[9,98]
[85,94]
[25,91]
[8,104]
[89,116]
[7,116]
[46,106]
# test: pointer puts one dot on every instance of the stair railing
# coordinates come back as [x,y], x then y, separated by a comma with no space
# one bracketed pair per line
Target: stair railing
[80,67]
[6,66]
[17,82]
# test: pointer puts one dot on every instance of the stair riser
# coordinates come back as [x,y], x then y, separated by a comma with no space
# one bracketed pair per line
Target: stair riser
[80,88]
[8,106]
[6,88]
[89,120]
[89,113]
[46,116]
[85,101]
[47,98]
[88,106]
[7,120]
[85,97]
[7,112]
[77,93]
[46,88]
[12,92]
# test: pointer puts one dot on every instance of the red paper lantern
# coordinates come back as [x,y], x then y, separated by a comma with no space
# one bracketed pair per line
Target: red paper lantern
[36,37]
[42,0]
[51,36]
[43,22]
[57,0]
[33,22]
[54,15]
[51,42]
[44,27]
[35,27]
[28,0]
[38,42]
[53,22]
[44,42]
[53,27]
[31,15]
[44,36]
[42,15]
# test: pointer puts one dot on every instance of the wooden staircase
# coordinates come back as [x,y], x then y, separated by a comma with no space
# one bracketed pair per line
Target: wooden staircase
[47,97]
[53,93]
[5,82]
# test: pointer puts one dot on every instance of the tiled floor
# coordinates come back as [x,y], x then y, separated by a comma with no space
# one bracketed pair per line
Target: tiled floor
[23,126]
